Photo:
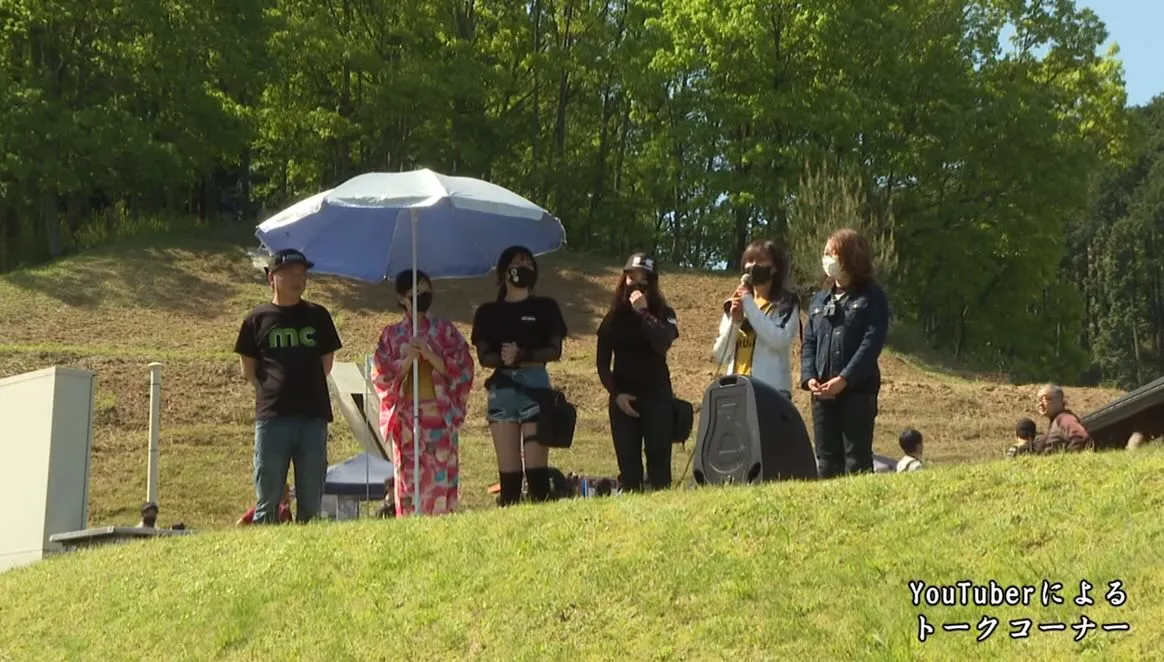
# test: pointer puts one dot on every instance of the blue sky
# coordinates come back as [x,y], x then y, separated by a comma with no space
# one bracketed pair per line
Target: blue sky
[1138,27]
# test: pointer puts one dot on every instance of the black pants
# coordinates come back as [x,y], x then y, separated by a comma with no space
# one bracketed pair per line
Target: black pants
[843,433]
[651,432]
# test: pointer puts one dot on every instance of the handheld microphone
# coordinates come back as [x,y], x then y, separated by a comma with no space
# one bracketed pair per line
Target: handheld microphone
[745,281]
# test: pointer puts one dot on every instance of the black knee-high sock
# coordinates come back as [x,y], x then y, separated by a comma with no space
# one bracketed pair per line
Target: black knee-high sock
[510,488]
[539,483]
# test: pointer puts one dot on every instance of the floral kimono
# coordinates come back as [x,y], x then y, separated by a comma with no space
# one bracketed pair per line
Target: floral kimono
[443,403]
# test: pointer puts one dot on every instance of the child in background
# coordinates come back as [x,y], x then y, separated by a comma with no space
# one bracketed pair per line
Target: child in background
[248,518]
[388,506]
[911,444]
[1024,434]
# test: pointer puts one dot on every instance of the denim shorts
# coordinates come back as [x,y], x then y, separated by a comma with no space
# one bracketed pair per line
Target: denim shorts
[507,405]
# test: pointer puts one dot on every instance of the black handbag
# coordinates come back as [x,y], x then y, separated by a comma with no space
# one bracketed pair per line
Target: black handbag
[557,418]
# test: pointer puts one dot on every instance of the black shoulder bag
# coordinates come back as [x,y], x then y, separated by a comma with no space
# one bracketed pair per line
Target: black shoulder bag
[557,418]
[682,420]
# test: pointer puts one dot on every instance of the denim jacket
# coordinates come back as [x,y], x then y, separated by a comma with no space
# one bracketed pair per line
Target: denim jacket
[844,338]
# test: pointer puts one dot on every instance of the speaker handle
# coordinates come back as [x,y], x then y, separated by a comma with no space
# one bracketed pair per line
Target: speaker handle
[728,380]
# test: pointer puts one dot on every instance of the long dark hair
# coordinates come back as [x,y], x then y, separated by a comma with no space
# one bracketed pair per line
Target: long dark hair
[656,302]
[503,261]
[781,268]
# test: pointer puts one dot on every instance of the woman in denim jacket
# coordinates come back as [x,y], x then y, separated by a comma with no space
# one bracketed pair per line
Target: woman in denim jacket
[847,323]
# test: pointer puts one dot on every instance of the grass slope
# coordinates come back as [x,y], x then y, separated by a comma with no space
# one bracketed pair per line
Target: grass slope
[116,309]
[793,572]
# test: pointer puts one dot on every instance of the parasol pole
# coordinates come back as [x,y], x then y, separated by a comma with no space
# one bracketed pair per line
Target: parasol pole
[367,458]
[415,383]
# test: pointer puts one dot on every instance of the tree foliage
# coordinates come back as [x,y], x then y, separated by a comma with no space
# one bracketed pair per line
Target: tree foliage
[678,126]
[828,198]
[1115,259]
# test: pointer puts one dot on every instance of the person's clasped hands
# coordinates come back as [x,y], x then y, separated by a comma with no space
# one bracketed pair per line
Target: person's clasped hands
[509,353]
[419,347]
[828,390]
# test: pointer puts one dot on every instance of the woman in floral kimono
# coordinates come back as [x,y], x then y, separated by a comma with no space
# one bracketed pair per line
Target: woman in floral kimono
[446,376]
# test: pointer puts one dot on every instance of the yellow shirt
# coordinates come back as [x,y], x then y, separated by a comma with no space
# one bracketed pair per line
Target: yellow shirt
[427,390]
[746,344]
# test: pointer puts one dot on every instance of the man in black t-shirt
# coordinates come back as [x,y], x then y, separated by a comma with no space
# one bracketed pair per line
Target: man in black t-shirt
[287,348]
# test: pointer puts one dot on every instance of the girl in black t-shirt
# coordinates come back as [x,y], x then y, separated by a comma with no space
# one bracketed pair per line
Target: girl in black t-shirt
[517,335]
[636,333]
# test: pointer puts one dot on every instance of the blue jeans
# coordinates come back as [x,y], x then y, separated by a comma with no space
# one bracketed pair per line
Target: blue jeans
[280,441]
[507,405]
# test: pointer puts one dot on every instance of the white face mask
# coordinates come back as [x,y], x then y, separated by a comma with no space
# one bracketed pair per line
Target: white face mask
[832,266]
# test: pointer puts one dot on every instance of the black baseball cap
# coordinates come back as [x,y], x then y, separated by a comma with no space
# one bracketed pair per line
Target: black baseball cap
[288,256]
[640,261]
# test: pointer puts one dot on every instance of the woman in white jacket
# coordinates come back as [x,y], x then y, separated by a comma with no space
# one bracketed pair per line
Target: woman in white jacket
[760,322]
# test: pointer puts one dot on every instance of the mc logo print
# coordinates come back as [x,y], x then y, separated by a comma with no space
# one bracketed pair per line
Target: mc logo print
[288,338]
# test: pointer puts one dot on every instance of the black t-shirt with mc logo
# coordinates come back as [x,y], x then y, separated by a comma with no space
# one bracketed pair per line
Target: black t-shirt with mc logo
[530,323]
[289,342]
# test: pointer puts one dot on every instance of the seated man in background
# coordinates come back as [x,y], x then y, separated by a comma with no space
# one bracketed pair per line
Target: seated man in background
[1024,434]
[1066,432]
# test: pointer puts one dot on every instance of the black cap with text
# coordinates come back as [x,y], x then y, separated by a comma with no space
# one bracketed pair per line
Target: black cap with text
[288,256]
[640,261]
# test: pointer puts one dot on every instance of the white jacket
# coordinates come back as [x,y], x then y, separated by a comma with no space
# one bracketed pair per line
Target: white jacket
[908,463]
[775,333]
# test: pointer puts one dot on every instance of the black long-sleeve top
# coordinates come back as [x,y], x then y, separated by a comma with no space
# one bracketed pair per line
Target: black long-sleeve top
[637,341]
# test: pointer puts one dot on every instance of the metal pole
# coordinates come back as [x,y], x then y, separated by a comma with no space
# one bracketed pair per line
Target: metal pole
[155,430]
[415,384]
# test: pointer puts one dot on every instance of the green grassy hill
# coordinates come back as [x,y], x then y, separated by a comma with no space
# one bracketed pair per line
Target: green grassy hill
[804,571]
[783,572]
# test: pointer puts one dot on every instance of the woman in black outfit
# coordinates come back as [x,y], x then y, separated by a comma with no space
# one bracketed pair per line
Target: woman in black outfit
[636,332]
[847,324]
[517,335]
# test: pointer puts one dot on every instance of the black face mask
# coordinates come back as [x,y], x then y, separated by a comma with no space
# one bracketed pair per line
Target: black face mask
[761,273]
[423,302]
[521,277]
